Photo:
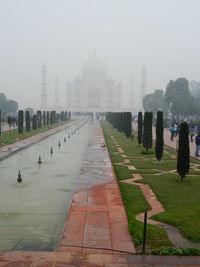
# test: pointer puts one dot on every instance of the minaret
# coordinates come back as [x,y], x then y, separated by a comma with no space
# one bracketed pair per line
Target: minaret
[132,103]
[143,86]
[57,100]
[44,89]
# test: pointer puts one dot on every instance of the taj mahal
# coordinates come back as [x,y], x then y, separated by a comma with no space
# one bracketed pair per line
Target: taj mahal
[92,91]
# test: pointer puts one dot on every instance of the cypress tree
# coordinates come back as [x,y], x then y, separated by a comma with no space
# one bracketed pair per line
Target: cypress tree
[39,118]
[121,121]
[140,128]
[47,117]
[127,124]
[65,115]
[9,121]
[159,136]
[20,121]
[44,118]
[28,121]
[51,117]
[183,159]
[147,132]
[34,122]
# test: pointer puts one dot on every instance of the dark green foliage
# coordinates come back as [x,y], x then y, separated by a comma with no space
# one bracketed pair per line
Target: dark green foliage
[140,128]
[44,118]
[7,106]
[121,121]
[155,101]
[20,121]
[66,118]
[9,120]
[51,117]
[47,117]
[172,251]
[39,118]
[159,136]
[69,115]
[147,131]
[178,93]
[183,157]
[62,116]
[28,121]
[127,124]
[54,117]
[34,122]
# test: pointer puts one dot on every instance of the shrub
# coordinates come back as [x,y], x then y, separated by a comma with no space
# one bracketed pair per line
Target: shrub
[147,131]
[140,128]
[47,117]
[127,124]
[20,121]
[34,122]
[172,251]
[159,136]
[183,157]
[44,118]
[28,121]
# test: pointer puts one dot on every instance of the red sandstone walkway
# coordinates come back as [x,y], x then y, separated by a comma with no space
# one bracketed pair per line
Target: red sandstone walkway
[96,201]
[97,221]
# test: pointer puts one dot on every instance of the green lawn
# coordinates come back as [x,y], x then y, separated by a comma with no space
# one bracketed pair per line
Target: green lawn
[12,136]
[181,200]
[133,198]
[135,203]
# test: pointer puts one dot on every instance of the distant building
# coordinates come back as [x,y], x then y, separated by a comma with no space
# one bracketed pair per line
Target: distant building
[44,94]
[94,90]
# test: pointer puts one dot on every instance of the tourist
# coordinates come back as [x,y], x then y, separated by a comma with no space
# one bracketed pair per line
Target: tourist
[172,131]
[196,129]
[197,140]
[175,129]
[191,137]
[132,136]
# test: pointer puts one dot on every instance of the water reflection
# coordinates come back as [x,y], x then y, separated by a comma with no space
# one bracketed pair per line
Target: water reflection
[33,213]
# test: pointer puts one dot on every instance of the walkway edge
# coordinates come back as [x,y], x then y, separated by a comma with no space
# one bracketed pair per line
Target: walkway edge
[42,136]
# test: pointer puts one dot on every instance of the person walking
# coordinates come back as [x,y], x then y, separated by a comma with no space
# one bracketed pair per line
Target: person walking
[196,130]
[172,131]
[197,140]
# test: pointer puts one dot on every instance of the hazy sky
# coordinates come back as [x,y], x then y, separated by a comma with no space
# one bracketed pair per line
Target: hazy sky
[163,35]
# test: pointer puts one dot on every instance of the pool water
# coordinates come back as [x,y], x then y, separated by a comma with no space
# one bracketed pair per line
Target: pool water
[33,213]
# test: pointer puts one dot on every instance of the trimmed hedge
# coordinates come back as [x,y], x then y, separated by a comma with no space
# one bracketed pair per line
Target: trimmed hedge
[173,251]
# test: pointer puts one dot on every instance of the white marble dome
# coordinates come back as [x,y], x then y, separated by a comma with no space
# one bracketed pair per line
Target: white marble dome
[94,65]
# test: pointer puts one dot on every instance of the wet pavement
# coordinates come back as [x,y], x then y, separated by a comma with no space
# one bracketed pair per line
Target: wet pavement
[97,216]
[97,221]
[33,213]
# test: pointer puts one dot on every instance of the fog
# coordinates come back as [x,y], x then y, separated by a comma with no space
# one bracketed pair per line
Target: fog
[126,34]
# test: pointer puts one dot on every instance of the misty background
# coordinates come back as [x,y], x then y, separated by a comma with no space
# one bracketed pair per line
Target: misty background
[126,34]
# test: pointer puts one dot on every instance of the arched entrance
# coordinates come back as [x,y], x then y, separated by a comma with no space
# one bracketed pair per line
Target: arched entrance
[93,98]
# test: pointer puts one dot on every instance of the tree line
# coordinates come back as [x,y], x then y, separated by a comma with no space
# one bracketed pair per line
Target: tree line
[122,121]
[37,120]
[178,98]
[145,138]
[7,106]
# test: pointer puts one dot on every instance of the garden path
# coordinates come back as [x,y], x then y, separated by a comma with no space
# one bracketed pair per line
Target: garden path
[156,207]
